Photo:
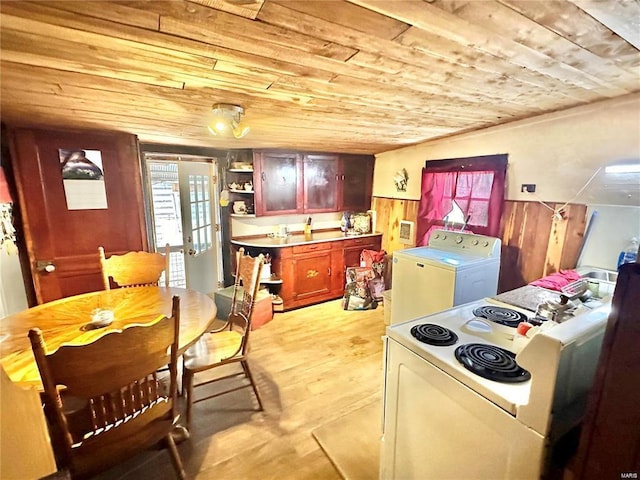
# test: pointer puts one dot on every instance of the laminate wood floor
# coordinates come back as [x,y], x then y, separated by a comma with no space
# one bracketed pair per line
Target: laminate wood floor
[312,365]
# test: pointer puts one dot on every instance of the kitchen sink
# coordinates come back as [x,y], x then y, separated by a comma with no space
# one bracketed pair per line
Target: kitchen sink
[601,281]
[599,274]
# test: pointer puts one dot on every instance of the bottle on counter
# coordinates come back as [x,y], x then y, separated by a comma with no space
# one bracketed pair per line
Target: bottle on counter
[344,223]
[630,253]
[307,227]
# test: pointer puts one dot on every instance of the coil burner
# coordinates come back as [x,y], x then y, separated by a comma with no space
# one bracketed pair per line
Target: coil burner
[501,315]
[491,362]
[432,334]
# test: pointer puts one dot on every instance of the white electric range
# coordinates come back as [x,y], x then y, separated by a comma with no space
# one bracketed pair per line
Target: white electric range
[447,416]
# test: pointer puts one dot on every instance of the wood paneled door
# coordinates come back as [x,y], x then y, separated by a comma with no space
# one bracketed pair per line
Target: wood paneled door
[70,206]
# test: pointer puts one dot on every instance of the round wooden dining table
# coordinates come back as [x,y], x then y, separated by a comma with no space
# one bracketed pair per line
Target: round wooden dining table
[67,321]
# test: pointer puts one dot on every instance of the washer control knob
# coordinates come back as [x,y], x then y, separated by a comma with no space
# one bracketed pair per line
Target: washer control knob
[485,243]
[458,238]
[475,242]
[437,235]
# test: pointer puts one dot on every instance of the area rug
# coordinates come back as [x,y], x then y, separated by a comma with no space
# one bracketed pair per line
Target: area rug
[352,442]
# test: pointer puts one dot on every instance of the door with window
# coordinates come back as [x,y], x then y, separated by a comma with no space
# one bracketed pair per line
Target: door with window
[185,215]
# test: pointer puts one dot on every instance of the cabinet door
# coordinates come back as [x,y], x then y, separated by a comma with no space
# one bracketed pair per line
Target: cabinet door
[357,181]
[312,274]
[320,173]
[352,256]
[353,248]
[278,186]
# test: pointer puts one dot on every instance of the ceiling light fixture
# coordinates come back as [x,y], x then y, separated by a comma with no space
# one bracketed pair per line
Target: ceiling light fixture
[226,121]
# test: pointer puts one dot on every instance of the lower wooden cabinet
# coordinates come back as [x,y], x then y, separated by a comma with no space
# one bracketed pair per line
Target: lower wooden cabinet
[353,248]
[310,273]
[314,272]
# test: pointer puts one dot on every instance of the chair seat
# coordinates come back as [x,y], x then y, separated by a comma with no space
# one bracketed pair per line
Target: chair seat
[213,348]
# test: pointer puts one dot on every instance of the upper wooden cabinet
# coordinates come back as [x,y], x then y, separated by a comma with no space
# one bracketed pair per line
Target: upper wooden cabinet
[290,182]
[356,178]
[277,182]
[321,174]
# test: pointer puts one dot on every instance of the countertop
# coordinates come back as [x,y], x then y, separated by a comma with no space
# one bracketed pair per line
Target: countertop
[297,238]
[527,297]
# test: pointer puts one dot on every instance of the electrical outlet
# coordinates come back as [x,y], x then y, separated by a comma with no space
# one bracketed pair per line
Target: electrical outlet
[528,187]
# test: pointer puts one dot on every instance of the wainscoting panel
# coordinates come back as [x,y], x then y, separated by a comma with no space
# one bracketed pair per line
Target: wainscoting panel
[389,212]
[534,243]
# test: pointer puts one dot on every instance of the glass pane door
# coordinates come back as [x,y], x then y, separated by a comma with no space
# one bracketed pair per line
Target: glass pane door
[167,217]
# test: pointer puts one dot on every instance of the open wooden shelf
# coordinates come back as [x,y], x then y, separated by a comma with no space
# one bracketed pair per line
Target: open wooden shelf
[274,279]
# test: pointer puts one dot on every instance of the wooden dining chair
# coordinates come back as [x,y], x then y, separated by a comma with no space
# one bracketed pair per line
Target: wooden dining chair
[134,269]
[229,343]
[103,400]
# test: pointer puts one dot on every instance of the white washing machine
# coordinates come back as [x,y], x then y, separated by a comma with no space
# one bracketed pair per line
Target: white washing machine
[454,269]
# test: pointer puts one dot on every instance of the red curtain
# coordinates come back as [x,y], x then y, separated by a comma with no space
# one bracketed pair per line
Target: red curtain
[476,184]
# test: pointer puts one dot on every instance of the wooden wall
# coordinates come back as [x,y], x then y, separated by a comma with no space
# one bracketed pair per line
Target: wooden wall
[389,212]
[534,244]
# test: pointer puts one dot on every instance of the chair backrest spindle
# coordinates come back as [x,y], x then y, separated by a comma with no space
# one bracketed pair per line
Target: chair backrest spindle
[245,289]
[101,397]
[135,268]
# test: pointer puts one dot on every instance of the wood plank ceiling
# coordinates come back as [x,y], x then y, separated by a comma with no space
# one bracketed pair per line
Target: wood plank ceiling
[360,76]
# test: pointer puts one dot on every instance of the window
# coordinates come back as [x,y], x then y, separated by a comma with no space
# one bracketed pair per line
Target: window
[474,184]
